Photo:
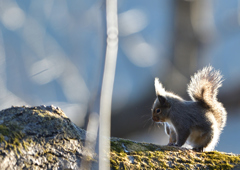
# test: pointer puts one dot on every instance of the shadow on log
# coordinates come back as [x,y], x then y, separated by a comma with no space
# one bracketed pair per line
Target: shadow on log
[44,138]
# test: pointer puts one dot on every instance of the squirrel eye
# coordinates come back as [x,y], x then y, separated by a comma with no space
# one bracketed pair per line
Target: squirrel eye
[158,110]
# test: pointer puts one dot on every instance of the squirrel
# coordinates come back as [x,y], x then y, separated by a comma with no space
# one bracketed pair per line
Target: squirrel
[198,122]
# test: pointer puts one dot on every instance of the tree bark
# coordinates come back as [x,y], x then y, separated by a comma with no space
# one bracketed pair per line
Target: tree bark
[40,138]
[43,137]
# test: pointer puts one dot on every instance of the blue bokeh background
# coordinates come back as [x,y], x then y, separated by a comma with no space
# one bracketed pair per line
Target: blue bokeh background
[52,52]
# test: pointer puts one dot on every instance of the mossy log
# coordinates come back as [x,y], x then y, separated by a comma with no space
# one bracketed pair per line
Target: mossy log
[43,137]
[126,154]
[40,138]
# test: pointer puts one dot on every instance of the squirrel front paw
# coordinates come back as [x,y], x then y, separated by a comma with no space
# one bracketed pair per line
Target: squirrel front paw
[177,145]
[171,144]
[200,149]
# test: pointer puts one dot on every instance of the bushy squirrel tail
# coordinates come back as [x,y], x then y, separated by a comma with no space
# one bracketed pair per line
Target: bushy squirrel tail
[204,85]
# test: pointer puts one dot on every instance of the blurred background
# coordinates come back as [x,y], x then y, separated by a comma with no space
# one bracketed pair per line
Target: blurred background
[52,52]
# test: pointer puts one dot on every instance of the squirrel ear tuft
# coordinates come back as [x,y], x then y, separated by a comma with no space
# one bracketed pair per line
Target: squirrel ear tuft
[159,87]
[161,93]
[162,100]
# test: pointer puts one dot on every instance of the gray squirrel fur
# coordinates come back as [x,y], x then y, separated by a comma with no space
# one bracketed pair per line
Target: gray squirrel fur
[198,122]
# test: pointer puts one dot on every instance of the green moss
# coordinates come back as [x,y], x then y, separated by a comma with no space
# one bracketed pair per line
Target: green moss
[11,135]
[114,164]
[159,154]
[25,145]
[16,142]
[1,138]
[29,141]
[116,146]
[4,130]
[234,159]
[46,115]
[124,141]
[144,156]
[11,130]
[122,154]
[137,158]
[50,157]
[150,147]
[216,160]
[140,153]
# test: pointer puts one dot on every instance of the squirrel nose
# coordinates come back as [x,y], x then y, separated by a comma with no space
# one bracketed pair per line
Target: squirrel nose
[155,118]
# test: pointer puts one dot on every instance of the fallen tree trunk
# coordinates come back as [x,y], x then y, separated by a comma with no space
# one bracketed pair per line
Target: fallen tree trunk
[44,138]
[126,154]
